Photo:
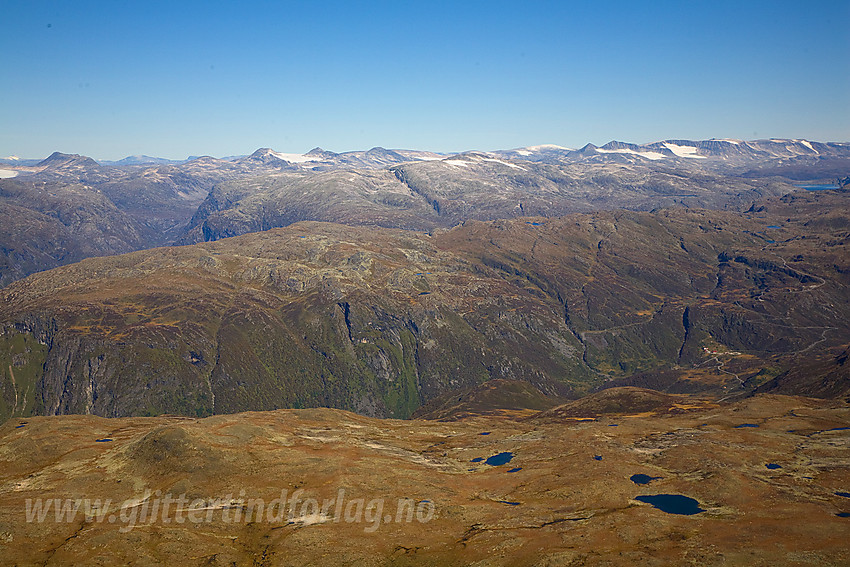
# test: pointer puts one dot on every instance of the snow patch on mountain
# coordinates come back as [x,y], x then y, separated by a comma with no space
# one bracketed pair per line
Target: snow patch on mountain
[545,147]
[479,157]
[647,155]
[808,145]
[683,151]
[456,162]
[504,163]
[292,158]
[7,173]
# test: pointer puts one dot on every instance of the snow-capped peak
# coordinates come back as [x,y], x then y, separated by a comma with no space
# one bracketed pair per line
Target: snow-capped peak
[542,147]
[292,158]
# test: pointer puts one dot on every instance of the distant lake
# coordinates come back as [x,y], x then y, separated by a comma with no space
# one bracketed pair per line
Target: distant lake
[816,187]
[643,478]
[499,459]
[672,503]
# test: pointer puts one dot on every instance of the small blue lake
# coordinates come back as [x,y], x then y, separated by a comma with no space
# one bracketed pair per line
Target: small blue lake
[643,478]
[499,459]
[844,494]
[508,503]
[746,425]
[773,466]
[477,460]
[843,514]
[597,457]
[672,503]
[104,440]
[516,469]
[816,187]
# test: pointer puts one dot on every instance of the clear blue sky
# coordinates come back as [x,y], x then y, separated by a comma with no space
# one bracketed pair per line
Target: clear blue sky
[110,79]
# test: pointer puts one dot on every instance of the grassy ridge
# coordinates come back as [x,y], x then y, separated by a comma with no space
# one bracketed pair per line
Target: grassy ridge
[380,321]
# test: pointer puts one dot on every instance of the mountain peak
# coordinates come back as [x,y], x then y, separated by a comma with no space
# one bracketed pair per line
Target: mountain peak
[378,151]
[142,159]
[268,156]
[58,159]
[260,152]
[318,152]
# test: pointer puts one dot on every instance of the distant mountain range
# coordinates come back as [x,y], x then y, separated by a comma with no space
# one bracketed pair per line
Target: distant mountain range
[727,150]
[141,160]
[732,152]
[68,207]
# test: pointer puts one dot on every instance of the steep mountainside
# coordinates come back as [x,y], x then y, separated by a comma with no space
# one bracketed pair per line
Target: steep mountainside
[495,397]
[69,207]
[442,193]
[48,224]
[380,321]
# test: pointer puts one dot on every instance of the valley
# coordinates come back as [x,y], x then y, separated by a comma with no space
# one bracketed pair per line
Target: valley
[619,355]
[403,284]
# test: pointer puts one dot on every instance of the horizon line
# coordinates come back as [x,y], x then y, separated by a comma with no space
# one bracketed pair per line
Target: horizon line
[15,157]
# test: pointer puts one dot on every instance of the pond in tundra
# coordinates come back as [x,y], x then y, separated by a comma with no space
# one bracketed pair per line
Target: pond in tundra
[500,459]
[643,478]
[672,503]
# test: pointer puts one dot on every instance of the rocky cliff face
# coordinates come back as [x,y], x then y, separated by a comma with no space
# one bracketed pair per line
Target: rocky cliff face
[50,224]
[379,321]
[68,207]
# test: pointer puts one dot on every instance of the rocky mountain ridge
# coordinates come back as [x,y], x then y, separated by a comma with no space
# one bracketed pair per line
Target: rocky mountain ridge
[205,198]
[380,321]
